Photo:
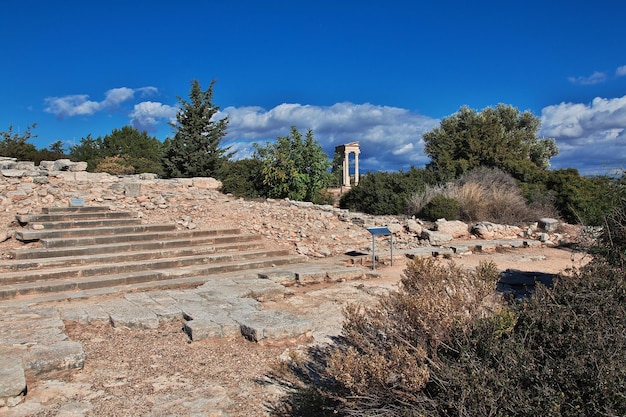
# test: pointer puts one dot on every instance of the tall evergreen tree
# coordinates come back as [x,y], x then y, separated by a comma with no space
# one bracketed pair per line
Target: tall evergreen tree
[195,149]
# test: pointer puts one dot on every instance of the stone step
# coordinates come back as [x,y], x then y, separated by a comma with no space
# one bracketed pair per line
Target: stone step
[33,235]
[72,259]
[156,245]
[76,209]
[57,217]
[154,278]
[233,234]
[134,266]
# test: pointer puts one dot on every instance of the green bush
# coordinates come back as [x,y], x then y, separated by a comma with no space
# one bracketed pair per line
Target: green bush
[441,207]
[243,178]
[382,193]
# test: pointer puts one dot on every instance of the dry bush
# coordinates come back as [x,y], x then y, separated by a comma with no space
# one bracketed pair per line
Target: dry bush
[485,194]
[418,200]
[386,355]
[115,165]
[471,198]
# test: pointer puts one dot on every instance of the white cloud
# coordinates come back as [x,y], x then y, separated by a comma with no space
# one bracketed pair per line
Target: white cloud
[148,114]
[620,71]
[590,136]
[72,105]
[79,104]
[390,137]
[595,78]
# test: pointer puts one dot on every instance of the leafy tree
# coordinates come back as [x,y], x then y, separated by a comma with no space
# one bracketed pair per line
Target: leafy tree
[293,167]
[243,178]
[140,152]
[499,137]
[89,150]
[15,145]
[195,149]
[57,147]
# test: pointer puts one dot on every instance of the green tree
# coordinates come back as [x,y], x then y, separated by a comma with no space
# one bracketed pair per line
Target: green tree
[141,152]
[195,149]
[57,147]
[243,178]
[15,145]
[499,137]
[294,167]
[89,150]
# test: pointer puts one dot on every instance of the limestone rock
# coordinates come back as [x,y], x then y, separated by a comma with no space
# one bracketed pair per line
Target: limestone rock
[12,379]
[436,238]
[456,228]
[548,225]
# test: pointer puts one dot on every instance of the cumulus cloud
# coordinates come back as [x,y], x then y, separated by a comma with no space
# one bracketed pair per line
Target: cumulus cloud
[620,71]
[390,137]
[79,104]
[148,114]
[590,136]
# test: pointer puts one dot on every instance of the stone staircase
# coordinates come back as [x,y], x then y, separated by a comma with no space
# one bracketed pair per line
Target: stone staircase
[84,248]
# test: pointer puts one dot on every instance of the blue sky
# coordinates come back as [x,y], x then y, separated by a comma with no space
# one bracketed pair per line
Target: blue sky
[380,73]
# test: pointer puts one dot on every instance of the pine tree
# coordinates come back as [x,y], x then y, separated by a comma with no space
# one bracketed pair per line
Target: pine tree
[195,149]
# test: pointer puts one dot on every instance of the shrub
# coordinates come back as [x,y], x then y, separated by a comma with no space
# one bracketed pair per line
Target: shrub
[385,192]
[115,165]
[387,352]
[441,207]
[611,245]
[441,346]
[485,194]
[243,178]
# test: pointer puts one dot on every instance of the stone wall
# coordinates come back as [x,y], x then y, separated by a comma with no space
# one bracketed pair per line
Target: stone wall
[313,230]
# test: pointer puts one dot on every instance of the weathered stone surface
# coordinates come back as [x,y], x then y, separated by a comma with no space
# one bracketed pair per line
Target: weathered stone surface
[414,227]
[436,238]
[548,225]
[132,189]
[217,325]
[456,228]
[12,379]
[64,355]
[490,231]
[395,228]
[206,183]
[271,324]
[126,314]
[283,277]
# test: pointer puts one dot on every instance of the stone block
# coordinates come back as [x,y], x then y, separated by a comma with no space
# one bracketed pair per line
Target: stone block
[272,325]
[548,225]
[219,325]
[207,183]
[436,238]
[456,228]
[12,379]
[123,313]
[280,276]
[132,189]
[60,356]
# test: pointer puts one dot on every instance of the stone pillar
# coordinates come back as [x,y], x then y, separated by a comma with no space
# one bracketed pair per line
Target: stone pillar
[346,169]
[345,151]
[356,167]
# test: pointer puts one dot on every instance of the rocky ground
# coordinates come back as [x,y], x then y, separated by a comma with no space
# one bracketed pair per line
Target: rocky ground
[160,372]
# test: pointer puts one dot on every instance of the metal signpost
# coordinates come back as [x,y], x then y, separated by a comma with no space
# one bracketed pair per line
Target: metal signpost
[380,231]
